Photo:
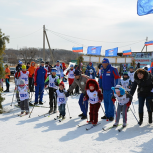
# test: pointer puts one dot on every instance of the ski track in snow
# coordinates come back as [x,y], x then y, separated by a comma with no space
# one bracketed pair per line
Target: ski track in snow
[44,134]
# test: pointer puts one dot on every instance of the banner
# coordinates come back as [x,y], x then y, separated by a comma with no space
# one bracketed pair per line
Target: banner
[94,50]
[111,52]
[77,49]
[127,52]
[144,7]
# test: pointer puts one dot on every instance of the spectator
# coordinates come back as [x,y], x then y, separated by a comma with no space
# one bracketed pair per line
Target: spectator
[39,82]
[110,78]
[7,78]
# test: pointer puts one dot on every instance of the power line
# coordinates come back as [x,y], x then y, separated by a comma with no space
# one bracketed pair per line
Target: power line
[27,34]
[90,39]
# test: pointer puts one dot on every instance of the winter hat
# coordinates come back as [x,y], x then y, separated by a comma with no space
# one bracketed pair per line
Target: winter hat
[6,65]
[77,72]
[42,62]
[57,61]
[131,67]
[53,70]
[90,62]
[20,62]
[105,60]
[118,88]
[61,84]
[21,82]
[146,68]
[91,84]
[46,62]
[71,65]
[125,73]
[23,66]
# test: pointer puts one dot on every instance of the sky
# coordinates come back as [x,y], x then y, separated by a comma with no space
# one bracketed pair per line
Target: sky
[106,23]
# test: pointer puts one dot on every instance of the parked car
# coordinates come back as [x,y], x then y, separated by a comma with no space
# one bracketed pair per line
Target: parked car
[12,70]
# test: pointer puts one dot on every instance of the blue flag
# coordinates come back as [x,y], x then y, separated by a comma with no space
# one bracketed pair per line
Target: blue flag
[111,52]
[144,7]
[94,50]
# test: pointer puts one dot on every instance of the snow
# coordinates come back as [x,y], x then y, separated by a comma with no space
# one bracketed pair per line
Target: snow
[44,134]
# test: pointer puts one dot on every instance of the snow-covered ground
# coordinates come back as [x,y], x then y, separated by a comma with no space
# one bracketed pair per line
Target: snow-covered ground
[45,135]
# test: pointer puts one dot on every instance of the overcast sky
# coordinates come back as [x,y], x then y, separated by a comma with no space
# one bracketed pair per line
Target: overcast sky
[106,21]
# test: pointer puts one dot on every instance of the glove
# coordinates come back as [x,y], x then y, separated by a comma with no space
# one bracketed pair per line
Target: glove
[67,94]
[113,99]
[84,98]
[101,77]
[45,85]
[99,101]
[128,104]
[35,84]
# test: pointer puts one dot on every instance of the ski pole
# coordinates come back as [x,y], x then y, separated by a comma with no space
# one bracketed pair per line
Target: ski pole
[86,111]
[134,116]
[104,112]
[68,110]
[133,107]
[12,98]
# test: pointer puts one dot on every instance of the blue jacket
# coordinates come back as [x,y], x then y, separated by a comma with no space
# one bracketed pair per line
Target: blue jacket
[110,77]
[87,72]
[40,75]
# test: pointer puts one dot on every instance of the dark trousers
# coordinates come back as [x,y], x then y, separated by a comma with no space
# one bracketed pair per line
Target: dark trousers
[94,108]
[61,109]
[31,84]
[83,105]
[141,103]
[77,89]
[52,98]
[24,105]
[7,83]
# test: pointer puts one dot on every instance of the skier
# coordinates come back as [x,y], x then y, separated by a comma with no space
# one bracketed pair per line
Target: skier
[126,82]
[27,66]
[24,96]
[144,81]
[39,82]
[47,67]
[52,81]
[90,66]
[80,80]
[94,95]
[23,74]
[131,74]
[100,77]
[124,101]
[70,74]
[59,69]
[124,68]
[61,100]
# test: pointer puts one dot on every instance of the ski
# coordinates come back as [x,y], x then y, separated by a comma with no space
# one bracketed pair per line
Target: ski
[57,118]
[49,114]
[119,130]
[109,128]
[43,114]
[83,124]
[92,126]
[60,120]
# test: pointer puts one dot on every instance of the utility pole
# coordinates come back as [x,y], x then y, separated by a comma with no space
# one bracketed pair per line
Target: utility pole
[44,43]
[49,48]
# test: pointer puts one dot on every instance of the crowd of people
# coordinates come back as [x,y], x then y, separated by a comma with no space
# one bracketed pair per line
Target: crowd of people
[110,88]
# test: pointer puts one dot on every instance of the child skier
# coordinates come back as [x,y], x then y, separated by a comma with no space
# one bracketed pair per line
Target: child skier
[21,75]
[94,95]
[52,81]
[70,74]
[61,100]
[124,101]
[126,82]
[131,74]
[24,96]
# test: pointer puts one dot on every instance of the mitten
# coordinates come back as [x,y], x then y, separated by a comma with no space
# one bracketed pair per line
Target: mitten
[35,84]
[113,99]
[128,104]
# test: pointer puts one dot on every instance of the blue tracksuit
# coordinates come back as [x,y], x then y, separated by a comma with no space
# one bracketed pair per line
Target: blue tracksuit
[87,72]
[39,80]
[110,79]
